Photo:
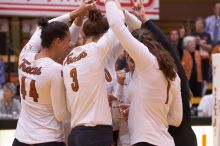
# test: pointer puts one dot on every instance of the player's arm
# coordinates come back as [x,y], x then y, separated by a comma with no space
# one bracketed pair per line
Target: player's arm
[34,43]
[132,21]
[175,114]
[112,57]
[139,11]
[138,51]
[160,37]
[78,16]
[75,29]
[58,95]
[105,44]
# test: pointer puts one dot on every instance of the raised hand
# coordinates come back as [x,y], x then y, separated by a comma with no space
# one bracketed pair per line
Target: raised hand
[139,11]
[83,9]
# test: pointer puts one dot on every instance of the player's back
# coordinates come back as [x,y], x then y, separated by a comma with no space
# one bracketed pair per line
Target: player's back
[85,83]
[37,122]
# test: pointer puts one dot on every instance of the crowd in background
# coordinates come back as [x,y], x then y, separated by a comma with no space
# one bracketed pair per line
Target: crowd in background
[195,51]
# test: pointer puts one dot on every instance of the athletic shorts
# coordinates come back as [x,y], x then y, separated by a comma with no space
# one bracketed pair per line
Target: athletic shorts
[100,135]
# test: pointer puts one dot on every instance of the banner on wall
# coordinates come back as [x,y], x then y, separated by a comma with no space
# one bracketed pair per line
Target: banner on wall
[216,99]
[58,7]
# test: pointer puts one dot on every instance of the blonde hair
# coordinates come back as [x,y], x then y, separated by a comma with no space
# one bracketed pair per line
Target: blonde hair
[187,40]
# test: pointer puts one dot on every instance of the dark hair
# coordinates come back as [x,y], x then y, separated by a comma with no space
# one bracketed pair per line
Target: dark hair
[52,30]
[165,61]
[201,19]
[121,63]
[96,23]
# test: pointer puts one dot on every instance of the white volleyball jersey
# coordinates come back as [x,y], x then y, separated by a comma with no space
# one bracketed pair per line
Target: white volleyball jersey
[42,94]
[85,83]
[152,107]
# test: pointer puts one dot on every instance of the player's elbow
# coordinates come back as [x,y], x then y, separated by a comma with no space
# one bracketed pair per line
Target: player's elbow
[59,117]
[175,120]
[62,116]
[178,122]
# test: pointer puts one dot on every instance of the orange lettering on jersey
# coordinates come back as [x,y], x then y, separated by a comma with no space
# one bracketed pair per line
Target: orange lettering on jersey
[33,92]
[23,91]
[75,84]
[107,76]
[30,70]
[71,59]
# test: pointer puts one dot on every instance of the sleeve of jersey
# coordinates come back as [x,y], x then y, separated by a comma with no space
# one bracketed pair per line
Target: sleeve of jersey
[106,43]
[63,18]
[34,44]
[58,96]
[132,21]
[138,51]
[175,114]
[112,57]
[74,33]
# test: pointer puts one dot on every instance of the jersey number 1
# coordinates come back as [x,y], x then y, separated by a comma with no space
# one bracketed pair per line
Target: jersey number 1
[33,92]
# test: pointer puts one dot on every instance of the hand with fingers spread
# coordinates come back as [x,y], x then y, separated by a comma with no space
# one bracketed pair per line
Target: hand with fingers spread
[139,11]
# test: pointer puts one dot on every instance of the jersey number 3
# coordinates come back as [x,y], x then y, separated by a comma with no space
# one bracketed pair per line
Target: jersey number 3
[75,84]
[33,92]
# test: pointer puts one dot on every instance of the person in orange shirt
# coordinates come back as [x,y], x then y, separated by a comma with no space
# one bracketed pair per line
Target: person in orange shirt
[191,62]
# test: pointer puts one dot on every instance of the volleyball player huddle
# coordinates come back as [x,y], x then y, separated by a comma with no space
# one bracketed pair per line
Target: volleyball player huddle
[86,89]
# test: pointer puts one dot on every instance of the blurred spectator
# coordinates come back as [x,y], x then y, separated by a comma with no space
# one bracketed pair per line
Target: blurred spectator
[192,65]
[2,73]
[203,41]
[213,24]
[174,41]
[174,38]
[205,106]
[182,32]
[9,105]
